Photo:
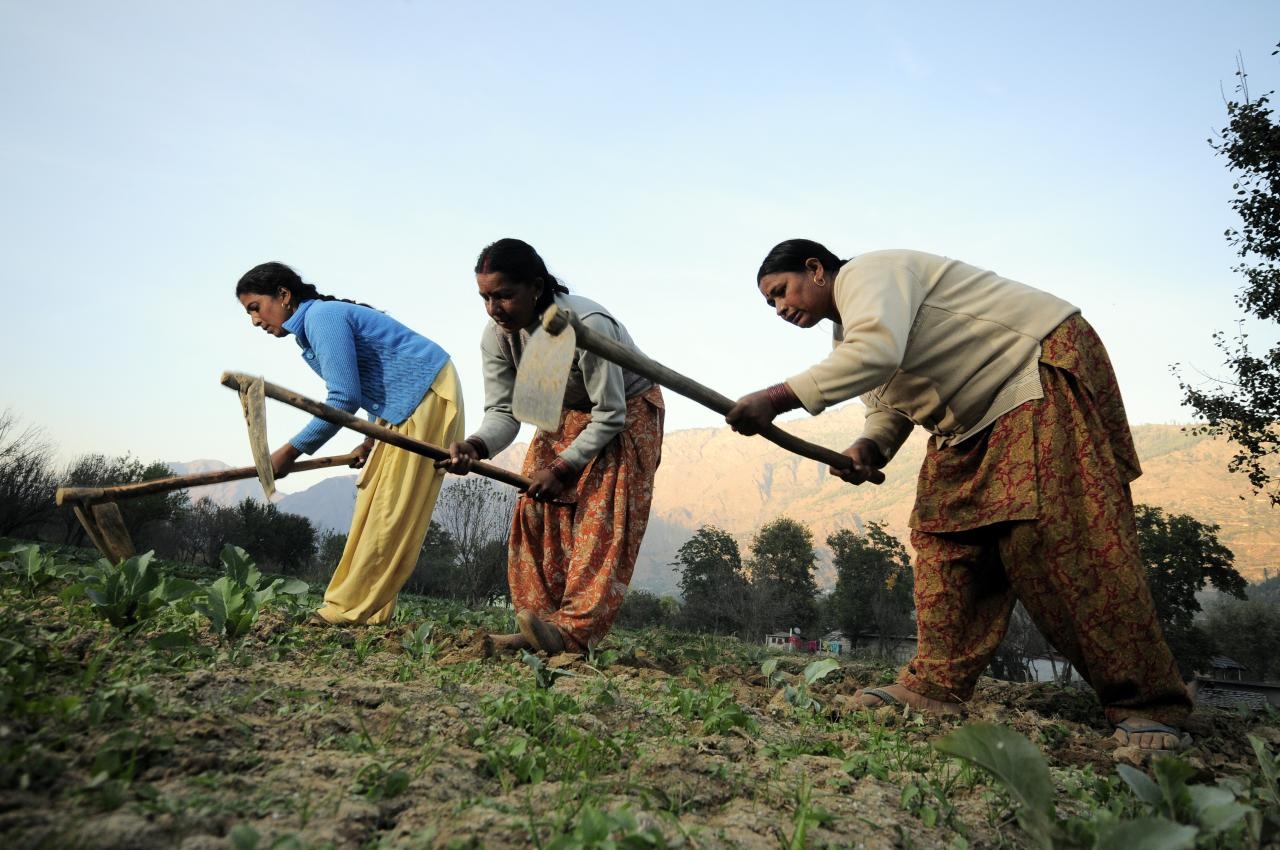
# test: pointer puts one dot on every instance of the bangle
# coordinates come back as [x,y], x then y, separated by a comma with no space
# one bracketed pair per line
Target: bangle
[479,445]
[782,397]
[563,471]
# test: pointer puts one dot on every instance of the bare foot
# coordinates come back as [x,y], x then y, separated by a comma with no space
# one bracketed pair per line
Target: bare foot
[899,695]
[1148,735]
[541,634]
[496,644]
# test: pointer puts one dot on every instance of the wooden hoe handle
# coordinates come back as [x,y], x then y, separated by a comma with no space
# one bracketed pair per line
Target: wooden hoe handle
[370,429]
[555,320]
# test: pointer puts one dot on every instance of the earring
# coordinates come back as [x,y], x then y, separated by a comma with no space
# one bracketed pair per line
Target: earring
[818,281]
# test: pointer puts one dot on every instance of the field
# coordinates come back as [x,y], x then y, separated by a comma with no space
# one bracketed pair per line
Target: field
[164,706]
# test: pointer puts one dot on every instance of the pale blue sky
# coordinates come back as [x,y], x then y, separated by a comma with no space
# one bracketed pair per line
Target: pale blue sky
[151,152]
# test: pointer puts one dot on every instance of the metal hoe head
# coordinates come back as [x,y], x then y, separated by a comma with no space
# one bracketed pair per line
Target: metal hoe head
[538,397]
[253,400]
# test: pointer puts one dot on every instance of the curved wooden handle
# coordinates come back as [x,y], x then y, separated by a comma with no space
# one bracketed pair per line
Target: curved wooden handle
[92,495]
[555,320]
[370,429]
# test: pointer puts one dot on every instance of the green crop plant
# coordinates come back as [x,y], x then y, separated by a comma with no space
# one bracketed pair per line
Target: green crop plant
[805,817]
[599,829]
[798,694]
[381,780]
[233,601]
[416,644]
[132,591]
[34,570]
[714,706]
[1174,814]
[543,675]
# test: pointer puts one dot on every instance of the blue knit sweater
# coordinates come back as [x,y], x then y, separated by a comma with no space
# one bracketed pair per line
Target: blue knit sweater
[367,359]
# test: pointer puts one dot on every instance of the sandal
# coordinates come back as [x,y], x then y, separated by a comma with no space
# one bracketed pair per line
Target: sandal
[1138,730]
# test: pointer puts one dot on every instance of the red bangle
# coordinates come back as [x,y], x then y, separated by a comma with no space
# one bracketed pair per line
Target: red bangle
[563,471]
[782,397]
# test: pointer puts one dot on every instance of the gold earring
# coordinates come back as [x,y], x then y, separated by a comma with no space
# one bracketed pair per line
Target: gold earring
[818,281]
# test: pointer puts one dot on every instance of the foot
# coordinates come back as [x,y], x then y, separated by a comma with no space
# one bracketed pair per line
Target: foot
[497,644]
[541,634]
[899,695]
[1149,735]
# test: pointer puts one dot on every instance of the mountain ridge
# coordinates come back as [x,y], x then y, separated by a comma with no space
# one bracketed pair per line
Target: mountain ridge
[712,476]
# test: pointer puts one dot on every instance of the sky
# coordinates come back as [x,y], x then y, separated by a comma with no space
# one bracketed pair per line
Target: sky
[152,152]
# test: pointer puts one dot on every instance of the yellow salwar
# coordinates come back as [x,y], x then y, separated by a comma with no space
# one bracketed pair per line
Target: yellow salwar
[394,499]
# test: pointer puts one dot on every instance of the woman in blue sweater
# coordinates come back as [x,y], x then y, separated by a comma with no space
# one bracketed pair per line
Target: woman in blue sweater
[404,381]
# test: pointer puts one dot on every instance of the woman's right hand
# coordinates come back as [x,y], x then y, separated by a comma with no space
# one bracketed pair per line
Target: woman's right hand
[461,455]
[866,457]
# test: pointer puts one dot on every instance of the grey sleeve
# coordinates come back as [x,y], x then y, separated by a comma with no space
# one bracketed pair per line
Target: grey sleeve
[498,428]
[606,387]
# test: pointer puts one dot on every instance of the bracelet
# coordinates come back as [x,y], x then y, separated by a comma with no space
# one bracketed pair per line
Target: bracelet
[563,471]
[479,445]
[782,397]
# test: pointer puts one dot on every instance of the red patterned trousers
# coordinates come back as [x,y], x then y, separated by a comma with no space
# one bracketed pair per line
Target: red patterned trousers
[571,563]
[1038,509]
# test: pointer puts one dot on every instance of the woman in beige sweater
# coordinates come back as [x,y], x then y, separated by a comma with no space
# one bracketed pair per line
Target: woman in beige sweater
[1024,490]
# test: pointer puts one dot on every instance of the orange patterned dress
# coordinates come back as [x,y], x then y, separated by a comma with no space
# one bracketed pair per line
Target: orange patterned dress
[1038,509]
[570,561]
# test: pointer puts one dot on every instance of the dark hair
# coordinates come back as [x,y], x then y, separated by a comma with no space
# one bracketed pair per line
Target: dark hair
[790,256]
[270,278]
[519,263]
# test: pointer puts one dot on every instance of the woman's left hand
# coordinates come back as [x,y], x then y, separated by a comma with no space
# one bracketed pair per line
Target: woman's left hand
[361,453]
[283,458]
[752,413]
[545,486]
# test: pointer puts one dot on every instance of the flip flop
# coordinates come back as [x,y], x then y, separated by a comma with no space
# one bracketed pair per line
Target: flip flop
[1133,727]
[884,696]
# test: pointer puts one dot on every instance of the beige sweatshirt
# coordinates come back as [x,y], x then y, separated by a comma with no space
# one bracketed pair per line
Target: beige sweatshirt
[930,341]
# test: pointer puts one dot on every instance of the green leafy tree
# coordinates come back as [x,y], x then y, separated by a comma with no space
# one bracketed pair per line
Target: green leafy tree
[284,541]
[712,583]
[433,574]
[141,514]
[642,609]
[782,570]
[873,584]
[1247,631]
[1182,556]
[1246,407]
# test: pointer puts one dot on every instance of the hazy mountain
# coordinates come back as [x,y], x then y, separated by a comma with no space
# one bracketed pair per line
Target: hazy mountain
[230,493]
[711,476]
[328,503]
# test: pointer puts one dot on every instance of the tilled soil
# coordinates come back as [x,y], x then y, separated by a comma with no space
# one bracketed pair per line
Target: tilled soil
[321,738]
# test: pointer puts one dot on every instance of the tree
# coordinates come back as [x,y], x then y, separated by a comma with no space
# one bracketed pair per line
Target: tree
[1247,408]
[642,609]
[476,513]
[873,593]
[98,470]
[433,574]
[1181,556]
[1247,632]
[712,583]
[283,540]
[27,479]
[781,568]
[204,528]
